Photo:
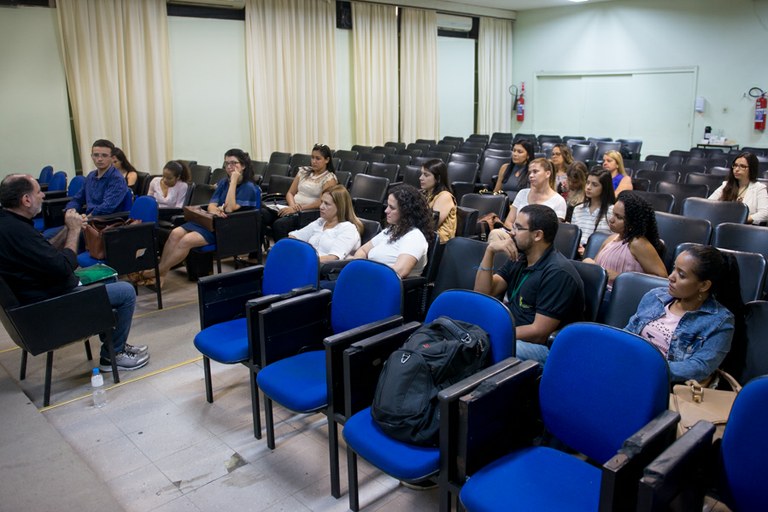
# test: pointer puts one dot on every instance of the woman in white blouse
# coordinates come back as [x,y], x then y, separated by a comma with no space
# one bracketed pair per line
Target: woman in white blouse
[742,186]
[541,176]
[171,190]
[336,234]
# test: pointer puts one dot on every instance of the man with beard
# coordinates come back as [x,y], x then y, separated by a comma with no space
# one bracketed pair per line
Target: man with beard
[544,291]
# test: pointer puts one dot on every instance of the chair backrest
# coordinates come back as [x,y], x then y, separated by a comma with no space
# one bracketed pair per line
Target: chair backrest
[583,152]
[75,184]
[464,157]
[484,203]
[345,154]
[201,174]
[46,173]
[651,165]
[371,228]
[401,160]
[369,187]
[682,191]
[462,171]
[752,268]
[657,176]
[567,239]
[490,168]
[744,449]
[410,174]
[274,169]
[486,312]
[58,181]
[713,181]
[600,385]
[371,157]
[506,154]
[716,212]
[144,208]
[676,229]
[741,237]
[278,157]
[220,173]
[660,202]
[466,221]
[595,279]
[354,167]
[290,264]
[628,289]
[385,170]
[280,184]
[127,203]
[343,177]
[756,361]
[361,149]
[384,150]
[300,160]
[604,146]
[366,291]
[594,242]
[201,194]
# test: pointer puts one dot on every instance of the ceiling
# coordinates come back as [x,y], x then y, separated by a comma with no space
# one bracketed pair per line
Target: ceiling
[521,5]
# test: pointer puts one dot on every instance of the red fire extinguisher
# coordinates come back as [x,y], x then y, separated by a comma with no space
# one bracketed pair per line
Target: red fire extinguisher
[760,108]
[521,105]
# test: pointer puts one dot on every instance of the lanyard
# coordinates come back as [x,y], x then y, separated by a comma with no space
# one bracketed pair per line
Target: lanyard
[519,285]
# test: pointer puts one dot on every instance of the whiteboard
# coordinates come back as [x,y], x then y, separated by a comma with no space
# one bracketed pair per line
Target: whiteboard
[655,106]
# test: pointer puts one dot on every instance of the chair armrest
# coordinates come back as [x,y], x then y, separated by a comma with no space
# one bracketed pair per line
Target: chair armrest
[294,325]
[680,472]
[222,297]
[362,364]
[332,267]
[167,214]
[621,473]
[334,354]
[73,316]
[486,415]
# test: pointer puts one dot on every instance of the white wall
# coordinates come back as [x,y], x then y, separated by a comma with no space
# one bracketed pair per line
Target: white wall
[725,40]
[34,115]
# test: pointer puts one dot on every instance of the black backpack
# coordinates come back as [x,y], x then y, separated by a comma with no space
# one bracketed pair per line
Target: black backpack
[435,356]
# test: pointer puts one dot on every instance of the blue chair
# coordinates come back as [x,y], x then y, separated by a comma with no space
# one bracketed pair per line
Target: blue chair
[292,267]
[75,184]
[413,463]
[744,450]
[603,393]
[367,300]
[46,173]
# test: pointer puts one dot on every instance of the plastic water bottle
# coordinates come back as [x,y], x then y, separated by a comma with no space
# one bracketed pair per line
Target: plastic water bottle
[99,393]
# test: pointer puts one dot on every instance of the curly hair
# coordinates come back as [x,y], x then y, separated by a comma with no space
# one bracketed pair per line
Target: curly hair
[414,213]
[640,220]
[731,190]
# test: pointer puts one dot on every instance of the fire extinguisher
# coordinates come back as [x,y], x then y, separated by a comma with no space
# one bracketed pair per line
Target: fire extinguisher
[760,108]
[521,105]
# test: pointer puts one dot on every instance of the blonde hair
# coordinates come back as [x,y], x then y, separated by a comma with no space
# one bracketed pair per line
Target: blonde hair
[344,209]
[546,165]
[615,155]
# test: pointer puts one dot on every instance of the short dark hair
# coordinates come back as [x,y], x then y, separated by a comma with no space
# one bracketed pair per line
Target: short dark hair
[103,143]
[542,217]
[12,189]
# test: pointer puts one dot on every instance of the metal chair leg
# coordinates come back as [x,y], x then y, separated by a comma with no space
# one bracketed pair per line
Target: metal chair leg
[88,352]
[270,423]
[48,371]
[23,367]
[354,498]
[256,410]
[208,385]
[333,453]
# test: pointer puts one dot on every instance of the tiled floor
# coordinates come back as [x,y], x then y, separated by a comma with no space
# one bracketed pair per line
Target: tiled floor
[159,446]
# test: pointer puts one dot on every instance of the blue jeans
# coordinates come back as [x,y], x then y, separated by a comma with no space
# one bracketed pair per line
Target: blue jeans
[122,297]
[533,351]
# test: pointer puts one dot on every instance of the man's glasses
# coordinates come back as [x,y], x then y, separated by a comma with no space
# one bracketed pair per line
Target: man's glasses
[100,155]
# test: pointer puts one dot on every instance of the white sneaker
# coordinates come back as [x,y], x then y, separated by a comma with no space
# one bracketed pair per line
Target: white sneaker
[125,361]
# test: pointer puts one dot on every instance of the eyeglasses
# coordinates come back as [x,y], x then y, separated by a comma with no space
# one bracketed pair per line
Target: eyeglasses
[100,155]
[740,166]
[232,163]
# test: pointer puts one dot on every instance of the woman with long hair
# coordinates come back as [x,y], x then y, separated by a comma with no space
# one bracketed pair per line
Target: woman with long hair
[694,319]
[577,180]
[742,186]
[121,163]
[514,175]
[436,189]
[305,192]
[404,243]
[613,162]
[336,234]
[635,245]
[561,159]
[232,193]
[592,215]
[170,190]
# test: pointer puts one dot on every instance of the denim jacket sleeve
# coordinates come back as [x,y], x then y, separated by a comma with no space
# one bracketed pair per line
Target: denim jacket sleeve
[702,351]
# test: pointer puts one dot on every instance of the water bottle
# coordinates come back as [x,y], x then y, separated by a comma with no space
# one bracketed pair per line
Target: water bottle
[99,393]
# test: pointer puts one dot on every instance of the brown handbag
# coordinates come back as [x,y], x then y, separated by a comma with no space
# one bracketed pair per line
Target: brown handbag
[93,231]
[199,215]
[695,402]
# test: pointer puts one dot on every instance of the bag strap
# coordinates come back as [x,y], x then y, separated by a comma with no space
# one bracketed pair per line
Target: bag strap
[730,379]
[697,390]
[455,329]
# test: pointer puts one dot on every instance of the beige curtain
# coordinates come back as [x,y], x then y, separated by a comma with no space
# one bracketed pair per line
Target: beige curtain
[374,63]
[494,67]
[115,56]
[290,50]
[419,110]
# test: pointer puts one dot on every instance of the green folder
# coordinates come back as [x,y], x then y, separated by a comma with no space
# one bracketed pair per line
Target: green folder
[95,273]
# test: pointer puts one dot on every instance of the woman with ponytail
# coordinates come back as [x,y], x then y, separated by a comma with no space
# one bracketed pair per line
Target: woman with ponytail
[692,321]
[171,190]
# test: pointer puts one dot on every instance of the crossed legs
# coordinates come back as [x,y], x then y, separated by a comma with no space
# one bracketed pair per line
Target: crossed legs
[179,243]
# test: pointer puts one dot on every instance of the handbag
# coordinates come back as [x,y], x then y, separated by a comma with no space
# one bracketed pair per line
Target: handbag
[199,215]
[695,402]
[93,232]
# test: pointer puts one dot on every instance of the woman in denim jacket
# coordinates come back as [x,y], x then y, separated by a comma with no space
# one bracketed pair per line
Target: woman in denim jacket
[693,320]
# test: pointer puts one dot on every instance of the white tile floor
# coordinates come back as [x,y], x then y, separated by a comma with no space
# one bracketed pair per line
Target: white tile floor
[159,446]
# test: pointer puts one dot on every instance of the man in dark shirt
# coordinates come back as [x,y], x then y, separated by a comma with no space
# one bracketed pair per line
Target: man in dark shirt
[105,190]
[544,291]
[36,269]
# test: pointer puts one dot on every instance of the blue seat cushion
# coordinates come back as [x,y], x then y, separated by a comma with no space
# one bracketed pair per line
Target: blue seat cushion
[84,259]
[206,248]
[39,223]
[395,458]
[540,479]
[297,382]
[226,342]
